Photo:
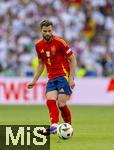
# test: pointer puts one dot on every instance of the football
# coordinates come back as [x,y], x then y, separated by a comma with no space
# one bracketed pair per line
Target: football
[64,131]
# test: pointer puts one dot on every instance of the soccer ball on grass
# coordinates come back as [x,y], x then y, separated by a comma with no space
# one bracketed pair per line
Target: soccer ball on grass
[64,131]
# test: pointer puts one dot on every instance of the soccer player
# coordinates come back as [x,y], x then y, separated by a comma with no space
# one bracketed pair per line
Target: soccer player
[55,54]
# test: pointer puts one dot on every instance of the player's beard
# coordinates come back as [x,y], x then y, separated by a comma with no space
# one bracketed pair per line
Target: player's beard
[47,37]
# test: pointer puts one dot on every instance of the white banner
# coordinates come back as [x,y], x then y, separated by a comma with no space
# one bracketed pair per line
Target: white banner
[88,91]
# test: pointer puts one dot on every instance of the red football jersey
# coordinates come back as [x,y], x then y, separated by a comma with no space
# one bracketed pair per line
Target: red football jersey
[55,55]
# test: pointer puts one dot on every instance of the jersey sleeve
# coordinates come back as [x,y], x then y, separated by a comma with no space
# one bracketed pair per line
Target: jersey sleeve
[37,51]
[65,48]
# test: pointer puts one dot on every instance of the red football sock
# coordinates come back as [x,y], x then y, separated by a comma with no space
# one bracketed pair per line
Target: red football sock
[53,111]
[66,114]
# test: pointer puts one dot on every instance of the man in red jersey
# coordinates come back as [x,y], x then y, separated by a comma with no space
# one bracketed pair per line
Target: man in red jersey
[55,54]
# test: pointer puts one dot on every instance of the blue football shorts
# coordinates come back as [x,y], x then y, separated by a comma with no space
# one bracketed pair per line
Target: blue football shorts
[60,84]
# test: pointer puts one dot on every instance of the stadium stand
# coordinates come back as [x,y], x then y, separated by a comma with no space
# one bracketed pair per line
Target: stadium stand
[88,27]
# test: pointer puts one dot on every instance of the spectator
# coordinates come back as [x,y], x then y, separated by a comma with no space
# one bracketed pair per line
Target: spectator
[86,25]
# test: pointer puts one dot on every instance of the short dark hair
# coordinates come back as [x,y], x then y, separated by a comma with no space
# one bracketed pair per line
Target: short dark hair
[46,23]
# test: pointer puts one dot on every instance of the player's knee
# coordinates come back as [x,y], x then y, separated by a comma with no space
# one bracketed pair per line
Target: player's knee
[61,103]
[51,97]
[62,98]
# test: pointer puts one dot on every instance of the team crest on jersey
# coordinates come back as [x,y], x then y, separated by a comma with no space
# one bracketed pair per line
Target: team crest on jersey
[53,49]
[48,53]
[42,51]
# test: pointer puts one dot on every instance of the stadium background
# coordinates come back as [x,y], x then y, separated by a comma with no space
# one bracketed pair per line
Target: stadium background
[88,27]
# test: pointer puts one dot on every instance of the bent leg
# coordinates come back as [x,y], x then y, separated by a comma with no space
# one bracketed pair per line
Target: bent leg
[65,112]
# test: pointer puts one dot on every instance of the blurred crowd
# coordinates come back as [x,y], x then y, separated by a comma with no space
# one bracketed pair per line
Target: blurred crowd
[87,25]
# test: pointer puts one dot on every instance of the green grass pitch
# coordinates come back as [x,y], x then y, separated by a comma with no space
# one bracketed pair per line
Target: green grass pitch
[93,125]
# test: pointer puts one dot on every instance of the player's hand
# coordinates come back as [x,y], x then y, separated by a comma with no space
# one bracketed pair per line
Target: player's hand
[71,83]
[30,85]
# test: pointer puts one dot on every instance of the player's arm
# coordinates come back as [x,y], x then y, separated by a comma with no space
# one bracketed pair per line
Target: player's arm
[37,74]
[72,63]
